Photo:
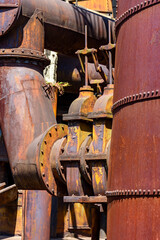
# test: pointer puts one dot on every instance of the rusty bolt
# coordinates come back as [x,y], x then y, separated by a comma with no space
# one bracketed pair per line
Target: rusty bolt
[50,134]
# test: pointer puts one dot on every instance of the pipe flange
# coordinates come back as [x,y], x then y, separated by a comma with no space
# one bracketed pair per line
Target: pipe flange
[54,133]
[56,151]
[24,53]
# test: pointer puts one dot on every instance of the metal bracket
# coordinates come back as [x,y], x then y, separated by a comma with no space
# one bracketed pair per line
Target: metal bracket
[85,199]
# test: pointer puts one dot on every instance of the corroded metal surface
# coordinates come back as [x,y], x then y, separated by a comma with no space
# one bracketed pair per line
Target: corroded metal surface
[133,185]
[22,116]
[102,126]
[67,22]
[10,10]
[104,6]
[78,131]
[8,194]
[63,22]
[36,214]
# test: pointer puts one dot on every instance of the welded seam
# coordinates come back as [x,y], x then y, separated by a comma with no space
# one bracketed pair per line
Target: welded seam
[136,98]
[135,9]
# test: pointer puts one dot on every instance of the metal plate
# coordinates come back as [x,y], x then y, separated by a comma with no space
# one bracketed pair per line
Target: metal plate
[9,10]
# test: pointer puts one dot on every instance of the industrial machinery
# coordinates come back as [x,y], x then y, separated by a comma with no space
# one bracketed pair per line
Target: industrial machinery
[62,159]
[93,166]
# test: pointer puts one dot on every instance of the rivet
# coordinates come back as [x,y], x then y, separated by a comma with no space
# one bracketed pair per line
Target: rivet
[148,191]
[50,134]
[47,184]
[42,152]
[132,191]
[12,50]
[148,93]
[43,174]
[154,191]
[157,92]
[140,191]
[63,128]
[144,191]
[152,93]
[45,142]
[144,94]
[135,191]
[41,164]
[53,191]
[55,129]
[22,51]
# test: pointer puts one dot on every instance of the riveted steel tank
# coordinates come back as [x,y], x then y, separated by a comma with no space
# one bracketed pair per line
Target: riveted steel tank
[134,183]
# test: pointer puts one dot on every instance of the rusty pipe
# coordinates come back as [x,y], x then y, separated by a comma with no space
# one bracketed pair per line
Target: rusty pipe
[64,24]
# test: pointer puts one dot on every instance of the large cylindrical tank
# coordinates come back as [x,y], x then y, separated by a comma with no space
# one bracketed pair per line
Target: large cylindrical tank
[134,182]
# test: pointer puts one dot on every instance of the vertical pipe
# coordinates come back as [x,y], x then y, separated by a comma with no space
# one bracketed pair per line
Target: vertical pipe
[25,113]
[86,58]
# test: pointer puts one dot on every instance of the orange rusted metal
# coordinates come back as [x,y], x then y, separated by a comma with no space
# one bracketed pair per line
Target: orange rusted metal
[26,115]
[21,115]
[97,152]
[79,128]
[104,6]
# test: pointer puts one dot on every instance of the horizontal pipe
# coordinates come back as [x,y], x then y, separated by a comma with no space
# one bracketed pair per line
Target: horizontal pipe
[64,25]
